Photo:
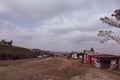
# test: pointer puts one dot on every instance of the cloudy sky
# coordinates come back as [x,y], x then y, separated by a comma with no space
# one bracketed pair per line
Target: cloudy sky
[57,25]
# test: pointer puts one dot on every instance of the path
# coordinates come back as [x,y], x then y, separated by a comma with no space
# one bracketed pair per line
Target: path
[53,69]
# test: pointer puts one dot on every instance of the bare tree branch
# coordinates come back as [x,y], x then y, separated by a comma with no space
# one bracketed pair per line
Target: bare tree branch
[114,22]
[110,22]
[108,36]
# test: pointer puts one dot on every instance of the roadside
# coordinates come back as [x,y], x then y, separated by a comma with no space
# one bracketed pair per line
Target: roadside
[53,69]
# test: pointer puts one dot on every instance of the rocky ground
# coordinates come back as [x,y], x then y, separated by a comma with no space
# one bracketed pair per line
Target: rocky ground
[53,69]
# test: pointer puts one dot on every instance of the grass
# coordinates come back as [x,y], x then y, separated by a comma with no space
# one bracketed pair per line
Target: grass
[14,52]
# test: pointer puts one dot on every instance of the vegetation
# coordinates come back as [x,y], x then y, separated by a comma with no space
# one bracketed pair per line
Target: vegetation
[42,52]
[13,53]
[114,21]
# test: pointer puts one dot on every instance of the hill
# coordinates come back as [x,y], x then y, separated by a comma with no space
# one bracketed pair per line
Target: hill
[13,52]
[44,52]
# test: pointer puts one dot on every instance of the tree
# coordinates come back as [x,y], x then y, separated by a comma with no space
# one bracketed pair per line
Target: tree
[114,21]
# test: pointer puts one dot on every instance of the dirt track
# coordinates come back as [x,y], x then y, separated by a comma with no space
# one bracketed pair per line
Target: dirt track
[52,69]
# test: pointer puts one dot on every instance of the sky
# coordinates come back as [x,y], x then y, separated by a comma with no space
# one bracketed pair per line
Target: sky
[57,25]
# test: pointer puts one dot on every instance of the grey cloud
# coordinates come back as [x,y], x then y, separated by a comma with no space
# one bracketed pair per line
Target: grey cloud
[34,9]
[64,25]
[38,38]
[73,22]
[39,10]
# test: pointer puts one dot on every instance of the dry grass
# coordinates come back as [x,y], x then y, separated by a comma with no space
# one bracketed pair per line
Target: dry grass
[52,69]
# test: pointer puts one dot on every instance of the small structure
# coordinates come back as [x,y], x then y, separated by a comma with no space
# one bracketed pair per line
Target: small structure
[75,55]
[3,42]
[80,55]
[107,61]
[89,57]
[102,60]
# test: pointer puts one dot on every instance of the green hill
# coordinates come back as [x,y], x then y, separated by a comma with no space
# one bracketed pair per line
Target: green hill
[14,52]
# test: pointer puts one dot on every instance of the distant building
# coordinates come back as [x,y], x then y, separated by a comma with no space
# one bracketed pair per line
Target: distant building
[3,42]
[76,55]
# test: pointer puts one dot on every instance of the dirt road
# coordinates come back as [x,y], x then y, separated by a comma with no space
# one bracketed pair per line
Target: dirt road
[52,69]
